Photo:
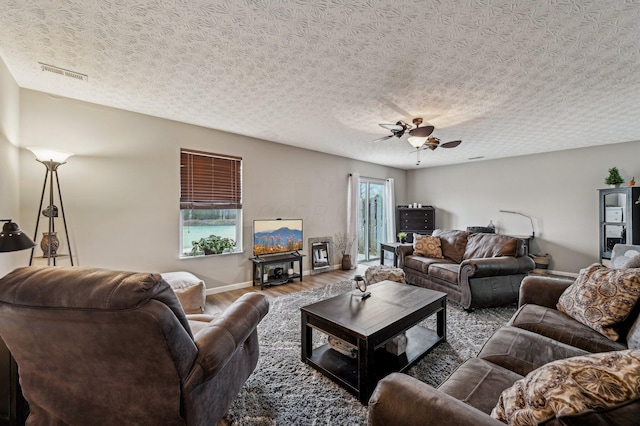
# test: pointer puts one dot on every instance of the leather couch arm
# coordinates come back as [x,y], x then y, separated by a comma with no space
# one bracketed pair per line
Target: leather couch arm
[401,400]
[403,250]
[494,266]
[543,291]
[219,341]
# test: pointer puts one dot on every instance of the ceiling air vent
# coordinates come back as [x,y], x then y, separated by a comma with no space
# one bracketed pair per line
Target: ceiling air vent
[64,72]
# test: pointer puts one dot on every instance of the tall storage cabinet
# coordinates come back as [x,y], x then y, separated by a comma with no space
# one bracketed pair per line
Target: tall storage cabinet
[421,220]
[619,218]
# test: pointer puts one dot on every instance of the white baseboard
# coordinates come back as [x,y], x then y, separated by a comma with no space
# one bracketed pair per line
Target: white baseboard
[237,286]
[562,273]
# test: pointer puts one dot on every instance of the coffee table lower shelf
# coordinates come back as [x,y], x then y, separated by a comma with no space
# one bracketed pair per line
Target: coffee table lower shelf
[344,370]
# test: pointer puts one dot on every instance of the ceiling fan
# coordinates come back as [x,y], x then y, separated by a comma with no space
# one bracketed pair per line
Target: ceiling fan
[419,137]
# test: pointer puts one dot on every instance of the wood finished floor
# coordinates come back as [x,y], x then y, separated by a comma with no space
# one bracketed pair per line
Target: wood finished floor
[220,301]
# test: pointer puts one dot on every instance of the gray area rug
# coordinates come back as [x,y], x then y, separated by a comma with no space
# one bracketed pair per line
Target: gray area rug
[285,391]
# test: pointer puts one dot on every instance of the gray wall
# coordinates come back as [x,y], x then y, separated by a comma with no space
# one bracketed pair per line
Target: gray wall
[558,189]
[121,188]
[9,172]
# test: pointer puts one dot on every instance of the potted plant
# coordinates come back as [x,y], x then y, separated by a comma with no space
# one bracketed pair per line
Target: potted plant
[632,182]
[213,244]
[402,237]
[343,242]
[614,179]
[265,273]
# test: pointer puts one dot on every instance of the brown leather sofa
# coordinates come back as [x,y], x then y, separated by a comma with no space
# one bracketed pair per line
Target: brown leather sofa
[106,347]
[477,271]
[536,335]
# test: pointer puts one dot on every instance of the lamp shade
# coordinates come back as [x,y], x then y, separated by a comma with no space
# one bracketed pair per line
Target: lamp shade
[416,141]
[44,154]
[12,238]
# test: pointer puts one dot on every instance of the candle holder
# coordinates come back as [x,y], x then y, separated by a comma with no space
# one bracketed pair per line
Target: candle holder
[360,289]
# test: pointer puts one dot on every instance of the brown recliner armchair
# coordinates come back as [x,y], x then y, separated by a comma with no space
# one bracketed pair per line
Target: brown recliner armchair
[106,347]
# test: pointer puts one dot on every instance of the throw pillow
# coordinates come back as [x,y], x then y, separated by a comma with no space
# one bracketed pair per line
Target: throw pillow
[597,382]
[454,243]
[427,246]
[490,245]
[601,298]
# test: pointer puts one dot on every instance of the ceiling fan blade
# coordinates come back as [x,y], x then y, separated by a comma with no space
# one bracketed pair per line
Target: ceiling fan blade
[421,132]
[392,127]
[384,138]
[451,144]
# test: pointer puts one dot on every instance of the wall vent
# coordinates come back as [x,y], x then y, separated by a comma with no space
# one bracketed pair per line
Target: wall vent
[64,72]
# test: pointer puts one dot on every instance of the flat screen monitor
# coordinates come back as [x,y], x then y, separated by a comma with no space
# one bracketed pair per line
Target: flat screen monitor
[273,236]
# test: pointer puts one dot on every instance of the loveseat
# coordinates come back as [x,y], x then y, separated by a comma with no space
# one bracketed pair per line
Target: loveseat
[570,355]
[476,270]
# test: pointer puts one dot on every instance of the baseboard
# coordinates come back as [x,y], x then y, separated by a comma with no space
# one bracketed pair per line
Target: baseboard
[222,289]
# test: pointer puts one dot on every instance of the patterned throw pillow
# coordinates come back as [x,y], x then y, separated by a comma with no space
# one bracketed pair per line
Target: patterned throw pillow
[596,382]
[602,297]
[427,246]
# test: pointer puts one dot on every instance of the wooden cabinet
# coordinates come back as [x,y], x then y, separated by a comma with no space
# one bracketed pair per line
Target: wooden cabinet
[619,218]
[421,220]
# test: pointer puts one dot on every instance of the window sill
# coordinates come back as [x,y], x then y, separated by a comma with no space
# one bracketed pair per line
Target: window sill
[202,256]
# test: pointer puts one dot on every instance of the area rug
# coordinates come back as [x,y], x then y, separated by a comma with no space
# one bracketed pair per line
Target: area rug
[284,391]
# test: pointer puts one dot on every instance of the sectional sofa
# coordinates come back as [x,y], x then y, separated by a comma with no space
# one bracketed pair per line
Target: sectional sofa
[570,355]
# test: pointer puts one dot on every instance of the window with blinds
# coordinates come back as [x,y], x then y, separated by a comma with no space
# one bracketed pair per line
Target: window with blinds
[210,203]
[210,181]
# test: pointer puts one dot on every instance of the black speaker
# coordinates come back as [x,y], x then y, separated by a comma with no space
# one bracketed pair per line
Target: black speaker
[277,272]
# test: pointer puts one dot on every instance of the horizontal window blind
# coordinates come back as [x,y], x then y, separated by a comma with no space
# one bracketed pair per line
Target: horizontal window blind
[210,181]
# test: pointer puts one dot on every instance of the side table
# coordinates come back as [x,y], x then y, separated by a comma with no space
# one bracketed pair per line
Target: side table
[391,247]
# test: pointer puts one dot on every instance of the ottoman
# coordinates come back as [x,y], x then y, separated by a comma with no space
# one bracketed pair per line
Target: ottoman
[378,273]
[191,290]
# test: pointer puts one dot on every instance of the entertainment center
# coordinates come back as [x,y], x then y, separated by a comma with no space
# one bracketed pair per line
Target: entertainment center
[276,241]
[260,263]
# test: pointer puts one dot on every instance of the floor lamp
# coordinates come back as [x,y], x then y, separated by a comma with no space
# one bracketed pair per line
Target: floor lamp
[49,243]
[533,232]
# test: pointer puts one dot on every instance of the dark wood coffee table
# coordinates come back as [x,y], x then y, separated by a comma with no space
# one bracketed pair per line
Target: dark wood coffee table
[368,324]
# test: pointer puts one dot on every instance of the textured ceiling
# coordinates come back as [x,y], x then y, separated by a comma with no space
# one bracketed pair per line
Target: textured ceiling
[509,78]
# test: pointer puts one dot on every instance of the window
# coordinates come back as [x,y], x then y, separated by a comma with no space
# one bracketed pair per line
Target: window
[210,203]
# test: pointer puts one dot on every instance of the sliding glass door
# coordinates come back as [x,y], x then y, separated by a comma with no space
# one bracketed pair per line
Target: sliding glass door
[371,221]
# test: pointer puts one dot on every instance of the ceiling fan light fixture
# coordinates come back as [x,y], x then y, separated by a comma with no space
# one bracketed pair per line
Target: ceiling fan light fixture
[416,141]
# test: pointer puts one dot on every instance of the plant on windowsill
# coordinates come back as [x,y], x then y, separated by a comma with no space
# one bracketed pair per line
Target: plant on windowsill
[614,178]
[402,237]
[343,242]
[213,244]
